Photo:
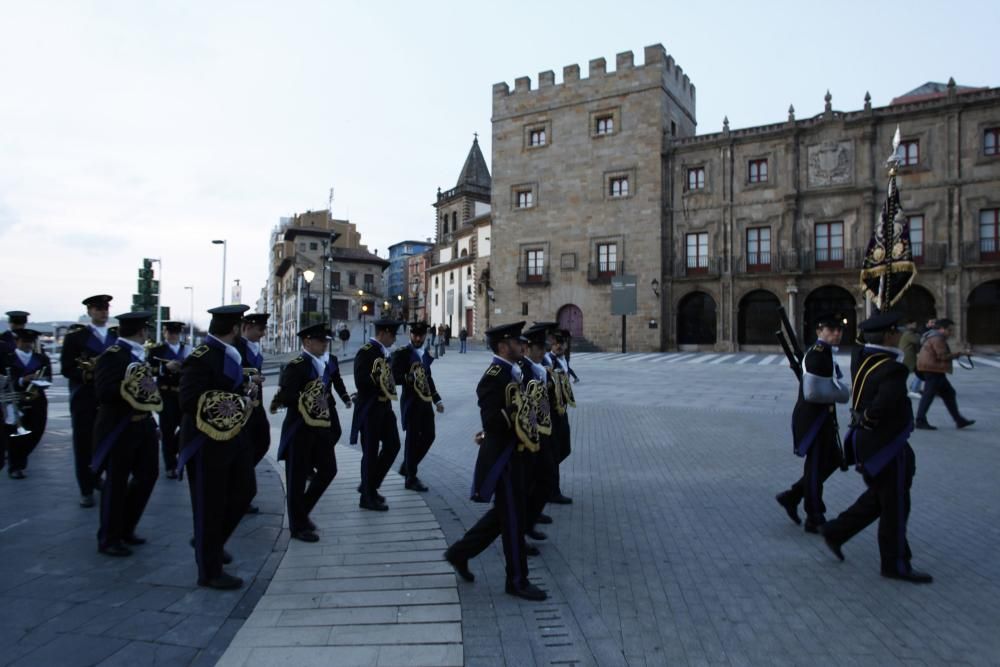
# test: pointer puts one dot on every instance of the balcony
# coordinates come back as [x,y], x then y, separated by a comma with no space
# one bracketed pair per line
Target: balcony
[335,287]
[701,267]
[602,272]
[832,259]
[983,251]
[930,255]
[536,278]
[371,289]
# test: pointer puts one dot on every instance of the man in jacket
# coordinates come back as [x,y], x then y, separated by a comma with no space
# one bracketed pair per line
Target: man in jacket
[935,365]
[910,345]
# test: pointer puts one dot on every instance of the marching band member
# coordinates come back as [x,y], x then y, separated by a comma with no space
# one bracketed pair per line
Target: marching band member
[29,372]
[167,358]
[411,368]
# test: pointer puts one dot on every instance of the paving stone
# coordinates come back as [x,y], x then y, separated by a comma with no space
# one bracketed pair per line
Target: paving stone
[147,653]
[72,650]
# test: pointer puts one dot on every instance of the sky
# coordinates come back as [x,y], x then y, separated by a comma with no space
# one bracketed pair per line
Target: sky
[141,129]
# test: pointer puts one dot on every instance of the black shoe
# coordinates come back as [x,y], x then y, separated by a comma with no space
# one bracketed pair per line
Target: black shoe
[310,525]
[19,474]
[223,582]
[87,500]
[559,499]
[133,540]
[913,576]
[402,471]
[531,550]
[252,509]
[116,550]
[461,566]
[374,505]
[813,524]
[536,534]
[305,536]
[227,557]
[526,591]
[414,484]
[965,422]
[378,495]
[833,546]
[171,474]
[924,426]
[543,519]
[791,510]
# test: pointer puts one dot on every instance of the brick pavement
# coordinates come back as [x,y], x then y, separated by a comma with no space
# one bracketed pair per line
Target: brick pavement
[675,552]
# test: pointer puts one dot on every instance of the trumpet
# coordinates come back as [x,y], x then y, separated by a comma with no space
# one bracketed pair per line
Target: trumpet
[10,400]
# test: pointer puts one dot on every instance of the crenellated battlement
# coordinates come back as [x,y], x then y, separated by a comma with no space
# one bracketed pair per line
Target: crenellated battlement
[658,66]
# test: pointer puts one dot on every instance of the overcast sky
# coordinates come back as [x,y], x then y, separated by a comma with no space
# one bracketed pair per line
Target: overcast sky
[146,129]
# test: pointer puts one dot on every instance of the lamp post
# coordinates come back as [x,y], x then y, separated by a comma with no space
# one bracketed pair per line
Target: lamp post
[224,245]
[308,274]
[191,317]
[364,313]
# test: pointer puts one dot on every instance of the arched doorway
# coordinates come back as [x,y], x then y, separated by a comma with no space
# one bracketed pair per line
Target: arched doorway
[917,303]
[983,316]
[830,299]
[570,317]
[758,318]
[696,319]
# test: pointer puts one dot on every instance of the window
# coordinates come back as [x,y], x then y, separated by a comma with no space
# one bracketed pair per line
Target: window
[991,141]
[302,246]
[673,129]
[604,124]
[435,281]
[525,199]
[524,307]
[758,171]
[619,186]
[697,252]
[758,248]
[352,278]
[989,231]
[454,221]
[451,277]
[696,178]
[607,259]
[535,265]
[909,153]
[314,246]
[435,299]
[829,244]
[335,281]
[916,223]
[536,137]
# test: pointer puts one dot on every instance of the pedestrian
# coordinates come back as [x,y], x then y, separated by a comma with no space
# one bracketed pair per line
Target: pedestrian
[167,358]
[560,419]
[447,335]
[30,372]
[910,345]
[311,427]
[374,419]
[215,407]
[344,334]
[80,350]
[815,434]
[258,430]
[877,441]
[411,368]
[439,346]
[935,365]
[125,446]
[499,473]
[463,336]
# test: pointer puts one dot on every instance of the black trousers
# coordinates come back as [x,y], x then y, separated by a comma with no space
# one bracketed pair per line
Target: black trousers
[36,415]
[220,494]
[258,435]
[311,450]
[506,520]
[379,429]
[83,412]
[419,436]
[561,444]
[822,459]
[170,424]
[130,475]
[541,477]
[887,499]
[937,384]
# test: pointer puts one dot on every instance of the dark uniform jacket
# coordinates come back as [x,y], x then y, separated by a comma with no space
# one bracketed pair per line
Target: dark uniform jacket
[82,344]
[499,437]
[7,342]
[402,361]
[882,416]
[114,414]
[371,405]
[207,368]
[299,372]
[258,427]
[814,416]
[169,382]
[35,403]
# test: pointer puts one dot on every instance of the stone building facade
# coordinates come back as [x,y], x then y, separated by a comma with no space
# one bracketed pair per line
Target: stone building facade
[602,176]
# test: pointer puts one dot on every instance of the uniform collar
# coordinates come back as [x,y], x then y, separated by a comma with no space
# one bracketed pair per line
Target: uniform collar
[25,357]
[137,350]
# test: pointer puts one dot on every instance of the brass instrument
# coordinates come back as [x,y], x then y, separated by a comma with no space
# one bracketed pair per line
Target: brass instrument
[10,400]
[382,376]
[522,413]
[86,366]
[34,390]
[314,405]
[251,385]
[221,415]
[139,388]
[537,394]
[421,385]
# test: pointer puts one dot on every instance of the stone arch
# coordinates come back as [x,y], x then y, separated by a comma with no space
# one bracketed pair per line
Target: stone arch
[570,317]
[696,319]
[827,299]
[918,303]
[983,314]
[758,319]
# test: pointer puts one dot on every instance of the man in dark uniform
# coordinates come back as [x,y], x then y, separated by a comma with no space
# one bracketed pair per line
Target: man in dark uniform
[167,358]
[79,356]
[555,360]
[215,407]
[498,470]
[258,429]
[125,434]
[374,419]
[411,367]
[311,427]
[878,441]
[16,319]
[26,367]
[540,467]
[815,433]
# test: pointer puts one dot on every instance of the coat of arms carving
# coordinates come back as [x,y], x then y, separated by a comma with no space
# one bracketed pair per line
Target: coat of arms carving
[831,163]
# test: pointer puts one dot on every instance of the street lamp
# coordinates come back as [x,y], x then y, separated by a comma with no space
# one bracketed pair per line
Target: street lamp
[191,319]
[308,274]
[224,245]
